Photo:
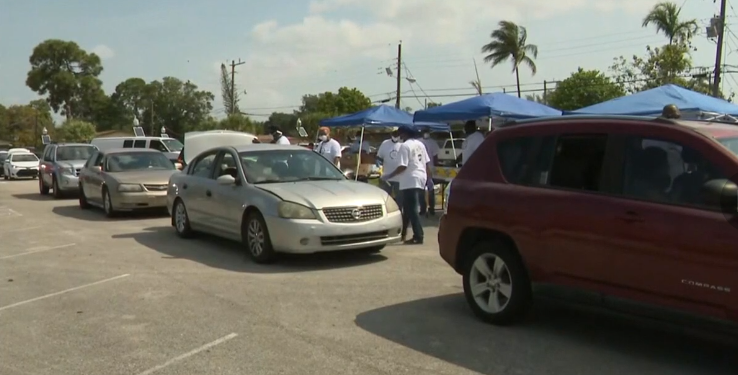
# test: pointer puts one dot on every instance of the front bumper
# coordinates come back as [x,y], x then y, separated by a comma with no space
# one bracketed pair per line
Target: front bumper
[313,236]
[68,182]
[139,200]
[23,172]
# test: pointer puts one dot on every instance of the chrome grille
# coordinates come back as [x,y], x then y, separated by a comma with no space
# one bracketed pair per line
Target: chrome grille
[157,187]
[353,214]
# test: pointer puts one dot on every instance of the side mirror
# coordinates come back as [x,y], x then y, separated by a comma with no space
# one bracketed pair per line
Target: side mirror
[723,193]
[226,179]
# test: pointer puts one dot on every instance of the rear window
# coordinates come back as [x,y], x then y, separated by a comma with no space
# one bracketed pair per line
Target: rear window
[526,160]
[23,157]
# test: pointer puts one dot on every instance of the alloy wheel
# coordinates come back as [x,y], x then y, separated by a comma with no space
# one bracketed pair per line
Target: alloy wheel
[491,283]
[255,237]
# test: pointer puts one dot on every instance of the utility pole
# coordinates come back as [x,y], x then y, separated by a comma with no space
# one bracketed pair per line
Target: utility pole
[234,64]
[152,117]
[399,75]
[719,52]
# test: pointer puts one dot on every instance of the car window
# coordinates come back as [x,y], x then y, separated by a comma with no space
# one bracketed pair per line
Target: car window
[128,143]
[23,157]
[141,143]
[48,154]
[172,144]
[91,161]
[137,161]
[68,153]
[526,160]
[203,166]
[457,144]
[666,172]
[287,166]
[157,145]
[578,161]
[227,166]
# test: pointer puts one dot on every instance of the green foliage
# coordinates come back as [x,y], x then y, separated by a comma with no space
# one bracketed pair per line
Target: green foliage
[240,123]
[510,42]
[76,131]
[665,17]
[582,89]
[228,91]
[433,104]
[343,102]
[23,124]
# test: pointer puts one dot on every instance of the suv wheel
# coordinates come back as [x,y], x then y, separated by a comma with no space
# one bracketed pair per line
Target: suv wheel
[256,238]
[496,284]
[55,187]
[42,188]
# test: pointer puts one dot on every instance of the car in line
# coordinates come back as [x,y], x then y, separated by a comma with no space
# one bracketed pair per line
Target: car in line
[199,141]
[20,165]
[171,147]
[634,214]
[125,180]
[279,199]
[60,167]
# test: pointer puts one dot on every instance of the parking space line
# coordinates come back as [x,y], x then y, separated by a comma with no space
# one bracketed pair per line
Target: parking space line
[19,230]
[35,250]
[189,354]
[62,292]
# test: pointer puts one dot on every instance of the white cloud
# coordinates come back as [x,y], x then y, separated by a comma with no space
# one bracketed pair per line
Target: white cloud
[103,51]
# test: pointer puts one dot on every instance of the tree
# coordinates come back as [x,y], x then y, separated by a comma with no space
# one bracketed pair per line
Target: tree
[238,122]
[538,98]
[178,106]
[23,124]
[510,42]
[281,120]
[132,97]
[343,102]
[228,91]
[582,89]
[76,131]
[409,110]
[433,104]
[665,16]
[67,75]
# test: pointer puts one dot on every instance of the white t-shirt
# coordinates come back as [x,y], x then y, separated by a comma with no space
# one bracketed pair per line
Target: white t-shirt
[390,153]
[431,146]
[471,144]
[330,149]
[415,158]
[283,141]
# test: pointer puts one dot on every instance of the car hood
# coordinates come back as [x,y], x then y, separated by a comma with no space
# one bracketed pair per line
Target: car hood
[320,194]
[25,164]
[153,177]
[76,164]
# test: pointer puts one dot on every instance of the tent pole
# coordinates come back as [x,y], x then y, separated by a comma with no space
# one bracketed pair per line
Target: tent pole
[453,147]
[489,125]
[358,159]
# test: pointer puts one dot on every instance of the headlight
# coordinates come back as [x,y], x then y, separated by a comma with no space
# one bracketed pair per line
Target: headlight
[446,195]
[130,188]
[291,210]
[391,205]
[67,171]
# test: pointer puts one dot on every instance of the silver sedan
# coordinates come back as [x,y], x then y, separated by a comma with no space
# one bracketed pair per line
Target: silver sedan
[277,198]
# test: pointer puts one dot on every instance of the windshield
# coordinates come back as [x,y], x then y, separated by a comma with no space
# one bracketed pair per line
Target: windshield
[287,166]
[172,144]
[731,144]
[74,153]
[23,157]
[137,161]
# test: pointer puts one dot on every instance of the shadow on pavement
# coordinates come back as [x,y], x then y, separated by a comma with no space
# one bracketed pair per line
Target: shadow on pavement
[96,214]
[558,339]
[228,255]
[35,197]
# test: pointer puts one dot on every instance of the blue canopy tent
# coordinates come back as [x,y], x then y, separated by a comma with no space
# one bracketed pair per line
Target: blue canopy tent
[651,103]
[483,106]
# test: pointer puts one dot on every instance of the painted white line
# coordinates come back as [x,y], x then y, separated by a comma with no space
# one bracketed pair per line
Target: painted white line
[189,354]
[62,292]
[9,212]
[19,230]
[35,250]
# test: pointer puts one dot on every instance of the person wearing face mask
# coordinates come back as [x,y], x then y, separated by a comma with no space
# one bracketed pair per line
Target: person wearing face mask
[428,207]
[328,147]
[474,138]
[388,156]
[277,136]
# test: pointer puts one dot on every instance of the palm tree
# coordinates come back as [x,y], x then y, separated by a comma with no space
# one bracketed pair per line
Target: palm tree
[509,43]
[665,16]
[477,87]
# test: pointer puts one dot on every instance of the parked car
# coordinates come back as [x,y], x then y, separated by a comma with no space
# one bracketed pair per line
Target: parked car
[3,157]
[200,141]
[60,167]
[20,165]
[636,212]
[450,152]
[125,180]
[279,199]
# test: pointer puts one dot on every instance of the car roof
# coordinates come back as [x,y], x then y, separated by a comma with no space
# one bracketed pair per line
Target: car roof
[267,147]
[71,144]
[129,150]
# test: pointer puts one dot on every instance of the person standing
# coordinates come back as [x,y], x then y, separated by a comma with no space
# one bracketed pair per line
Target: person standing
[359,142]
[412,171]
[389,155]
[328,147]
[428,206]
[474,138]
[278,137]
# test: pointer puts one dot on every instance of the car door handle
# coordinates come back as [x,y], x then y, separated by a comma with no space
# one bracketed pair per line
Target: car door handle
[631,217]
[208,193]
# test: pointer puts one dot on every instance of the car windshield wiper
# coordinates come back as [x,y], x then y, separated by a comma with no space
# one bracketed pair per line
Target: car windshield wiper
[320,179]
[270,181]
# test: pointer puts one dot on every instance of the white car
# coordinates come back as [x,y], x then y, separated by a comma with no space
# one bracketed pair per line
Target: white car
[20,165]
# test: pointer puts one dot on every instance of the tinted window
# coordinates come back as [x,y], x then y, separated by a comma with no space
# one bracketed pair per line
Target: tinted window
[23,157]
[287,166]
[157,145]
[3,156]
[137,161]
[67,153]
[203,166]
[139,144]
[526,160]
[48,154]
[578,161]
[667,172]
[128,143]
[173,145]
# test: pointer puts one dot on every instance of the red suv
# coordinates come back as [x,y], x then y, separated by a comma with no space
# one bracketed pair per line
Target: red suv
[639,213]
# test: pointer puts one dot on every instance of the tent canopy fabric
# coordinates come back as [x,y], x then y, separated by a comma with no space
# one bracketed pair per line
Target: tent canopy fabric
[490,105]
[380,117]
[651,103]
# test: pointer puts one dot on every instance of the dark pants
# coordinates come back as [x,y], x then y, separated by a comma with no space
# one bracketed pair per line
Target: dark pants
[393,189]
[410,213]
[430,205]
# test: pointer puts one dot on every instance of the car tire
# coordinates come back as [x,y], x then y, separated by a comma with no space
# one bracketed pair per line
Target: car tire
[55,187]
[496,284]
[255,235]
[181,220]
[42,188]
[108,204]
[83,203]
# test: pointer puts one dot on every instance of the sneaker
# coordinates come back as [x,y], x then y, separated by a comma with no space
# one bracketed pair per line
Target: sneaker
[414,241]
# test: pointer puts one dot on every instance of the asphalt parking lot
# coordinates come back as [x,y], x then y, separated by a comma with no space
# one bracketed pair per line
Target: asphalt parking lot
[81,294]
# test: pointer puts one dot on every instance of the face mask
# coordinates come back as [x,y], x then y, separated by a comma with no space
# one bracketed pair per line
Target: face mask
[323,138]
[426,135]
[395,139]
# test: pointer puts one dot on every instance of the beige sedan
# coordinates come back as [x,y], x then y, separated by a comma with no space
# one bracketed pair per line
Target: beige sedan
[125,180]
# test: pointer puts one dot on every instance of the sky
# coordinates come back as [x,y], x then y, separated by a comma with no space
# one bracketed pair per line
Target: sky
[294,47]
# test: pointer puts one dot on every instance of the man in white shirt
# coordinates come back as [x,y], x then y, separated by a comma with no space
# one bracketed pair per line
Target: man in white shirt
[278,137]
[431,147]
[412,171]
[389,155]
[328,147]
[474,138]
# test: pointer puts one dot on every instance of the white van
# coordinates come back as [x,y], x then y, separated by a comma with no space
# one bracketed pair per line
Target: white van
[169,146]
